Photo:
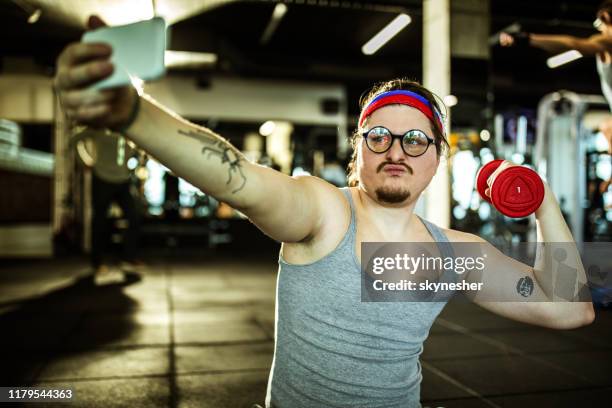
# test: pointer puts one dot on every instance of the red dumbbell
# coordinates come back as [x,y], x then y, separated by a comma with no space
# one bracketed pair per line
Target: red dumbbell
[516,192]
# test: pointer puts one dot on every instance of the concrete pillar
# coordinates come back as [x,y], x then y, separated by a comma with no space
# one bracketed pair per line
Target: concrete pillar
[434,204]
[460,30]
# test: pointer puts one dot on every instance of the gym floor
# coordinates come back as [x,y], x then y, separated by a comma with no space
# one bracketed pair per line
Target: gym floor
[199,333]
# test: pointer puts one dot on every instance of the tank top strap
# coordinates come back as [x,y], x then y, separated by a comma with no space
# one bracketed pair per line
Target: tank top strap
[352,230]
[439,237]
[435,231]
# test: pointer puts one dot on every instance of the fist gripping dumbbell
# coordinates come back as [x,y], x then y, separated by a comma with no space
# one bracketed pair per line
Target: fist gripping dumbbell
[515,192]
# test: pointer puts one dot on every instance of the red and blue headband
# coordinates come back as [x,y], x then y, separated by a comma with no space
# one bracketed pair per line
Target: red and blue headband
[401,97]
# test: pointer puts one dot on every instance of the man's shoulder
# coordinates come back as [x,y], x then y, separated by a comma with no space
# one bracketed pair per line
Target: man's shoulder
[334,212]
[460,236]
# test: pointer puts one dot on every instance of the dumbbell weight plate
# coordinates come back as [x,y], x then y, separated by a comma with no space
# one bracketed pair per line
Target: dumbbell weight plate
[517,192]
[483,175]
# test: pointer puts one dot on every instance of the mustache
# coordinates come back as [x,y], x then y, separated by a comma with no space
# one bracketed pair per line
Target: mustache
[382,165]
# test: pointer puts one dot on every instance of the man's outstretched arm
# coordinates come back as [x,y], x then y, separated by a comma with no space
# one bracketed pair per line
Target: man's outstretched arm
[287,209]
[554,43]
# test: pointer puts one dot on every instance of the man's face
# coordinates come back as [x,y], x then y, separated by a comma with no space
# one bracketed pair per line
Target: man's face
[393,177]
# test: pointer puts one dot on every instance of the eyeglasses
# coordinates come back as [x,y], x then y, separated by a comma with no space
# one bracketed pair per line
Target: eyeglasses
[414,142]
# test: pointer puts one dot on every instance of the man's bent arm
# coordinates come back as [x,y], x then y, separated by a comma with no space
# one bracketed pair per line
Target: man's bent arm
[539,305]
[552,228]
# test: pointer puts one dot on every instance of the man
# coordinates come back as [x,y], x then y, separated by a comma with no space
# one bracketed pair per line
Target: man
[598,45]
[106,154]
[331,349]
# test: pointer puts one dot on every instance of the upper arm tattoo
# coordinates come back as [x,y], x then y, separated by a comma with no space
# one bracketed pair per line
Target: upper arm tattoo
[524,286]
[226,152]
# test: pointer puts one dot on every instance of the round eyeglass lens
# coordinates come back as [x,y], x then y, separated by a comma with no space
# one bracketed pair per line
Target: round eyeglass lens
[378,139]
[415,142]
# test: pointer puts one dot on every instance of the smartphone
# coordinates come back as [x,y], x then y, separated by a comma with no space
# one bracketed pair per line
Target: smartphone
[138,51]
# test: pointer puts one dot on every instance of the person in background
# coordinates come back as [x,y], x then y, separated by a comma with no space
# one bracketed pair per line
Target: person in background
[107,153]
[598,45]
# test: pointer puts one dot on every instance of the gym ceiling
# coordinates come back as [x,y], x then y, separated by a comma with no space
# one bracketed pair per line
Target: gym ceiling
[319,40]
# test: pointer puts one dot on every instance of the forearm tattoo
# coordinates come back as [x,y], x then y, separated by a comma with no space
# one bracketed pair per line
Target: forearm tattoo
[226,152]
[524,286]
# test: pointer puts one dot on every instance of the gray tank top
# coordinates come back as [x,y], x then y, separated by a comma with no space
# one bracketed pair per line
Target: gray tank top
[332,350]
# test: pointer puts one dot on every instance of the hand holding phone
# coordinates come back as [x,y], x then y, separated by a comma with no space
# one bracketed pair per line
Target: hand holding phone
[93,77]
[138,51]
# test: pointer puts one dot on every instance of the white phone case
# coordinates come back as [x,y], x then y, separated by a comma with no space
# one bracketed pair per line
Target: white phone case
[138,51]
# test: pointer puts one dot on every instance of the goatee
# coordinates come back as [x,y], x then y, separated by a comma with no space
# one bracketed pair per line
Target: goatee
[392,195]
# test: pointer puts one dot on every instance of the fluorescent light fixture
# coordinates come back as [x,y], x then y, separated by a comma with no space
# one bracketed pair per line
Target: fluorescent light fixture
[386,34]
[563,58]
[35,16]
[450,100]
[277,15]
[32,11]
[267,128]
[187,59]
[279,11]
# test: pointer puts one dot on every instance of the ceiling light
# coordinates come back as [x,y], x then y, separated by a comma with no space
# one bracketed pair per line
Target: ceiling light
[267,128]
[132,163]
[386,34]
[35,16]
[32,12]
[277,15]
[563,58]
[450,100]
[279,11]
[186,59]
[126,12]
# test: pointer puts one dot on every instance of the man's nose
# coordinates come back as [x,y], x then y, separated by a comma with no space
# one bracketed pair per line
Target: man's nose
[395,152]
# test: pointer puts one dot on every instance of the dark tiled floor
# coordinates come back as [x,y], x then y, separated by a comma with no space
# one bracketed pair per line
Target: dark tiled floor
[200,334]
